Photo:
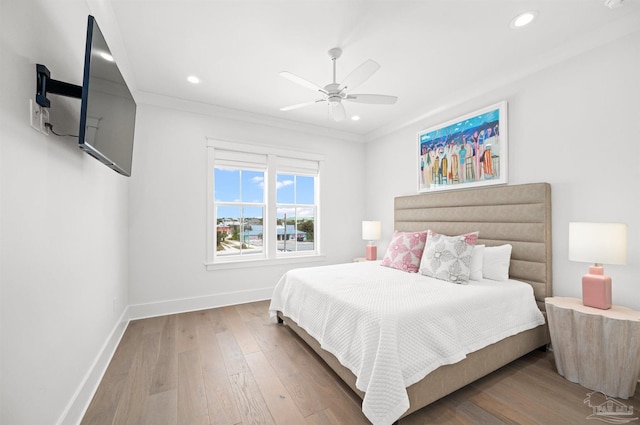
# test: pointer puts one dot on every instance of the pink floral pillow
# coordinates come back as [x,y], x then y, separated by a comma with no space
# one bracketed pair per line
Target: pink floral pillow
[405,251]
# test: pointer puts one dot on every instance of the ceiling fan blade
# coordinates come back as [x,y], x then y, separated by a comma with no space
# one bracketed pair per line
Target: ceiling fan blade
[336,110]
[299,80]
[300,105]
[360,75]
[381,99]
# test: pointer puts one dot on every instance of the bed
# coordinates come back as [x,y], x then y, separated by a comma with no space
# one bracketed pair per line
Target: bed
[519,215]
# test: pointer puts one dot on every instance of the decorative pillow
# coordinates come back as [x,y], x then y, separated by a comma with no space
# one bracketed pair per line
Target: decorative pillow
[404,251]
[448,257]
[477,257]
[495,264]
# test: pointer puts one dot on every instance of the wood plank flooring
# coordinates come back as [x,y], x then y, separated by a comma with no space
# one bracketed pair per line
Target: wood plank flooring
[233,365]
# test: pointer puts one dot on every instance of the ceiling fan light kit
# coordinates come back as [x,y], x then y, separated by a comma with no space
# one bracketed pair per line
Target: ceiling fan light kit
[334,93]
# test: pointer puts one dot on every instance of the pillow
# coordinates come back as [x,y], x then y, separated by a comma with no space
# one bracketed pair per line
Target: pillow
[404,251]
[448,257]
[477,257]
[495,264]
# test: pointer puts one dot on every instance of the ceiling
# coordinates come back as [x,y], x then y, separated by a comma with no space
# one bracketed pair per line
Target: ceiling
[431,53]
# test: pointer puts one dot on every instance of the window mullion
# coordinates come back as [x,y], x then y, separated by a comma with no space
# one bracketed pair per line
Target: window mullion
[316,211]
[270,239]
[211,215]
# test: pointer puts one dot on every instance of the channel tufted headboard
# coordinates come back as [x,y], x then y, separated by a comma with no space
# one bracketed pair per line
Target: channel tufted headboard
[519,215]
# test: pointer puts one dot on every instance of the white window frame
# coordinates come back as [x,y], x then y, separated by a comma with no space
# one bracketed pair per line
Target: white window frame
[278,161]
[241,204]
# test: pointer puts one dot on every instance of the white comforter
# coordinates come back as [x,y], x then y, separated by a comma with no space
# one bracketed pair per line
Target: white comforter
[392,328]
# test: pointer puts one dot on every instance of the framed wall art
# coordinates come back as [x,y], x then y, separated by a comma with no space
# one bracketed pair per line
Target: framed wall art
[465,152]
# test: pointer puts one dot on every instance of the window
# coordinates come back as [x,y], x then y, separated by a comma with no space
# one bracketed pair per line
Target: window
[239,211]
[296,212]
[262,203]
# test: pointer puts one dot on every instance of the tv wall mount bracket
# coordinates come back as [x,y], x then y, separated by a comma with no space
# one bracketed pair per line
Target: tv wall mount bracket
[45,85]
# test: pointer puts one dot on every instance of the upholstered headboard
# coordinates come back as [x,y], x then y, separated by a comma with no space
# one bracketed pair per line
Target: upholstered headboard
[518,214]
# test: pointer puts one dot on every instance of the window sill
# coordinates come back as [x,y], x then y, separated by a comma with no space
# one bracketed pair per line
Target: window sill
[265,262]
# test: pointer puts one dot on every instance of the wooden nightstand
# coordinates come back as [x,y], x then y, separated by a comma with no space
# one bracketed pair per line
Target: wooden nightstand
[598,349]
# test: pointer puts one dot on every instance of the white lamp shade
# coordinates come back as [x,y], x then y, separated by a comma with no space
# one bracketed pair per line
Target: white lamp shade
[371,230]
[602,243]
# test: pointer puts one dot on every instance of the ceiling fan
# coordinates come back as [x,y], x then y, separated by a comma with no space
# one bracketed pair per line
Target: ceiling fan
[334,93]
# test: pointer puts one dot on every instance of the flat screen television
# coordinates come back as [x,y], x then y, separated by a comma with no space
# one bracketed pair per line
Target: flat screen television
[108,110]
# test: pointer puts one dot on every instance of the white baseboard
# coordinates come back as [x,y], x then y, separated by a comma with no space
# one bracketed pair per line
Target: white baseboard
[162,308]
[79,403]
[75,410]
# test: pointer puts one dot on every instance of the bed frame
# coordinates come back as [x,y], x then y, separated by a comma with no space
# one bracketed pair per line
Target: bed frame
[519,215]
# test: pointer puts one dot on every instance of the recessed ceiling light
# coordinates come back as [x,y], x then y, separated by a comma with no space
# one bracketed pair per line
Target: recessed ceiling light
[193,79]
[355,117]
[106,56]
[523,19]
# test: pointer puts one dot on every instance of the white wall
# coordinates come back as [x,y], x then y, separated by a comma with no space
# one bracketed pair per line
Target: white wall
[63,243]
[168,209]
[575,125]
[74,235]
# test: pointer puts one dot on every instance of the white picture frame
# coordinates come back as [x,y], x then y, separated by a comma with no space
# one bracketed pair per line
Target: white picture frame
[465,152]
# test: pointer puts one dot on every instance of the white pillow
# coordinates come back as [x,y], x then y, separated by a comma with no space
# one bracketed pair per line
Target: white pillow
[477,258]
[495,264]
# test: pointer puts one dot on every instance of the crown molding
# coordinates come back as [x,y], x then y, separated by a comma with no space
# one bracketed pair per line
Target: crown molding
[602,36]
[238,115]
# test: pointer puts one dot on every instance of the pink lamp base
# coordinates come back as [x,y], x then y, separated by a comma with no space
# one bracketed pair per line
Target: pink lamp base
[596,288]
[372,252]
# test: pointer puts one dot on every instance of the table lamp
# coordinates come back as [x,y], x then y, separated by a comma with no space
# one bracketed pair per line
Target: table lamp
[598,243]
[371,231]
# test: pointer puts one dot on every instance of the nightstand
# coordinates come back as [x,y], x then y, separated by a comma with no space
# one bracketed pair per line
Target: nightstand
[359,259]
[598,349]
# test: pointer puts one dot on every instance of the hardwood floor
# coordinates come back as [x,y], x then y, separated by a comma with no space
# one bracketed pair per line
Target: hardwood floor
[232,365]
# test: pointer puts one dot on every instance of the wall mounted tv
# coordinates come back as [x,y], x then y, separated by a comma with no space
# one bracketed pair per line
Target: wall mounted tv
[108,110]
